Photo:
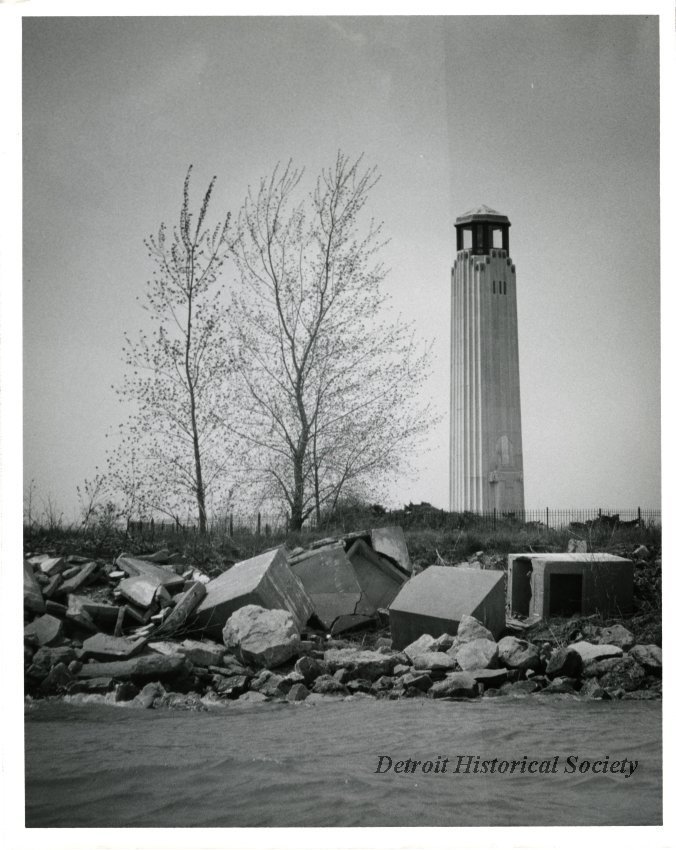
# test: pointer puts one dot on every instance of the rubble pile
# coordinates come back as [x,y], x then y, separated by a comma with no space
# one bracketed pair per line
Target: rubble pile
[156,632]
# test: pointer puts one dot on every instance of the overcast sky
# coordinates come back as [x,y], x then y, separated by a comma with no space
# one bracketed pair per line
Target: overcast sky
[553,121]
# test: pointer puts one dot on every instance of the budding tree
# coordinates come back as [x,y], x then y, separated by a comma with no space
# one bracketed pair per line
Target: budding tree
[173,449]
[328,385]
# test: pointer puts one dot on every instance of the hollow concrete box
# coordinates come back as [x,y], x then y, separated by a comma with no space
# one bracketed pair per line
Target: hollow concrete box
[265,580]
[551,584]
[435,601]
[330,581]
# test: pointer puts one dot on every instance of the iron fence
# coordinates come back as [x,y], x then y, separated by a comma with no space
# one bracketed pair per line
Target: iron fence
[418,516]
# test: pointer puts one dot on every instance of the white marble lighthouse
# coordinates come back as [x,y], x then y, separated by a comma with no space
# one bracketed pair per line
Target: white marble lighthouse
[486,452]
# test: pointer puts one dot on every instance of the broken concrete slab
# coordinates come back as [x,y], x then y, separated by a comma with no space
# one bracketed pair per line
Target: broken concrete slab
[140,568]
[265,580]
[186,603]
[435,601]
[262,637]
[83,576]
[379,579]
[44,631]
[390,541]
[142,667]
[102,614]
[101,647]
[32,595]
[52,566]
[560,584]
[140,590]
[329,579]
[202,653]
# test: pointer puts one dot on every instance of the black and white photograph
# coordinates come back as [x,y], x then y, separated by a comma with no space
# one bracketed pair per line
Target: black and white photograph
[337,384]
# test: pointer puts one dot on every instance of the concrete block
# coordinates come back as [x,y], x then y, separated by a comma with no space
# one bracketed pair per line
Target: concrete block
[560,584]
[390,541]
[265,580]
[435,601]
[377,577]
[330,581]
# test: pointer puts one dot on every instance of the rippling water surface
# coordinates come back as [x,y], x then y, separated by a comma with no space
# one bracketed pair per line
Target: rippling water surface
[314,765]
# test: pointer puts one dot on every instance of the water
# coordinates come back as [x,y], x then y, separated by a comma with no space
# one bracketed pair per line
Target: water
[314,765]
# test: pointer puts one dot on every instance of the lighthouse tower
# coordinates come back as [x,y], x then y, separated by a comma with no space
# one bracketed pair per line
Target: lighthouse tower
[486,452]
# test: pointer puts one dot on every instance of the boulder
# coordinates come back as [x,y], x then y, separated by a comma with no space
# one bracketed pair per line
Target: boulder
[617,635]
[560,685]
[310,668]
[267,683]
[649,656]
[253,697]
[591,689]
[627,675]
[455,686]
[477,654]
[418,647]
[470,629]
[231,687]
[32,595]
[382,685]
[590,652]
[518,654]
[564,661]
[517,689]
[327,685]
[433,661]
[442,643]
[125,692]
[362,663]
[297,693]
[44,631]
[57,680]
[262,637]
[420,681]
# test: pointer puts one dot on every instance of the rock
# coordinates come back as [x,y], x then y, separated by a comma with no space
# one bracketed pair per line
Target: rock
[518,654]
[590,652]
[186,603]
[140,668]
[49,656]
[382,685]
[32,595]
[420,681]
[470,629]
[288,681]
[560,685]
[101,647]
[477,654]
[202,653]
[297,693]
[328,685]
[125,692]
[493,678]
[401,669]
[599,668]
[230,686]
[649,656]
[641,553]
[44,631]
[617,635]
[641,695]
[310,668]
[442,643]
[627,674]
[152,691]
[522,688]
[262,637]
[591,689]
[455,686]
[363,663]
[342,675]
[418,647]
[384,643]
[433,661]
[74,666]
[564,661]
[267,683]
[359,686]
[96,685]
[58,679]
[180,702]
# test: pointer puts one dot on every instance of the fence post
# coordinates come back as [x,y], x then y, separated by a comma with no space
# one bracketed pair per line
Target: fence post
[231,525]
[639,516]
[547,520]
[495,518]
[258,525]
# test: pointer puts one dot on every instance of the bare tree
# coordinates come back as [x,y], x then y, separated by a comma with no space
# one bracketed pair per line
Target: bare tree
[173,449]
[327,384]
